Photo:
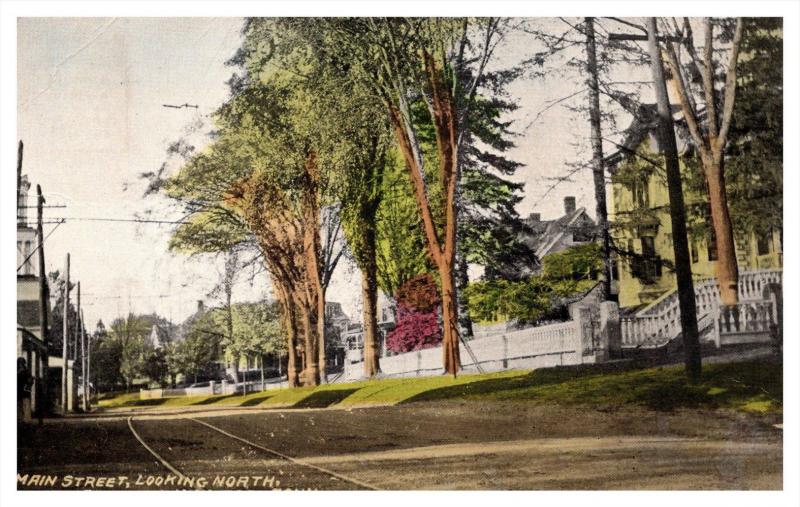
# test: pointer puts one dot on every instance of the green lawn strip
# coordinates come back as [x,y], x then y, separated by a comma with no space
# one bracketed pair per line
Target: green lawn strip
[754,386]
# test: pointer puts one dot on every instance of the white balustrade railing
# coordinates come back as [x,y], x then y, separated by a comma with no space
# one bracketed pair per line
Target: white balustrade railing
[745,317]
[751,287]
[660,321]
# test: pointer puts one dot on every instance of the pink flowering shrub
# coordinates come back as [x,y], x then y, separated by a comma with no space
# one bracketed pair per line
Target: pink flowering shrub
[417,316]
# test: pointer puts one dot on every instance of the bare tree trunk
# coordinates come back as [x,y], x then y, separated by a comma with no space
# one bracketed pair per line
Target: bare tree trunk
[598,171]
[314,308]
[464,318]
[322,358]
[441,250]
[235,368]
[311,373]
[450,345]
[369,293]
[710,134]
[261,362]
[291,360]
[727,270]
[290,326]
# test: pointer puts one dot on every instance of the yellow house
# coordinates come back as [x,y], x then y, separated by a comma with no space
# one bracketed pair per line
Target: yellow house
[641,227]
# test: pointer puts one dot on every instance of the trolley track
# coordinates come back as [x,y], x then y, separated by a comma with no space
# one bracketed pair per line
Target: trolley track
[185,475]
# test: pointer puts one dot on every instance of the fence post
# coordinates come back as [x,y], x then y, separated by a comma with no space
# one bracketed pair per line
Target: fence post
[715,314]
[582,316]
[773,292]
[610,333]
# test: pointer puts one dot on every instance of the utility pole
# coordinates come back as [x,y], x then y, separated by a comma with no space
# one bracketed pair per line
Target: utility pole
[19,168]
[44,297]
[88,369]
[677,210]
[77,327]
[65,340]
[84,362]
[598,169]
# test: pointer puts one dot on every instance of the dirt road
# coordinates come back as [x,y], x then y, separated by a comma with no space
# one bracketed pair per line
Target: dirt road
[443,445]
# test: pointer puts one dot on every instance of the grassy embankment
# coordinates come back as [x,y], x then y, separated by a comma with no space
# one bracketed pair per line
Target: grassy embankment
[753,386]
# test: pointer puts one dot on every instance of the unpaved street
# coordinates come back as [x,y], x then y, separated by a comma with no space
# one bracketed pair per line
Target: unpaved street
[443,445]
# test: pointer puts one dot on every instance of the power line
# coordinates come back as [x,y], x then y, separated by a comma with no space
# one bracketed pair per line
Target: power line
[131,220]
[39,245]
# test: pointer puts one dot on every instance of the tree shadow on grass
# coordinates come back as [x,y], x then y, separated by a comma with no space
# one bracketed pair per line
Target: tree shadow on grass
[623,383]
[251,402]
[539,377]
[153,402]
[325,398]
[213,399]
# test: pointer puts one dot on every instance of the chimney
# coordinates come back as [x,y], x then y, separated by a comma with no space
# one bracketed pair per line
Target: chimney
[200,306]
[535,217]
[569,204]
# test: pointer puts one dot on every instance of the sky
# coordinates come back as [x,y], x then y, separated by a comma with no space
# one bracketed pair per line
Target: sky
[90,112]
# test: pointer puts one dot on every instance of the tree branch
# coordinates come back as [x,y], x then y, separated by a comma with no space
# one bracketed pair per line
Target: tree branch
[730,87]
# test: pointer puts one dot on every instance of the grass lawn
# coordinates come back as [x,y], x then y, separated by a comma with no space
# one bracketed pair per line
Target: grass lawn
[752,386]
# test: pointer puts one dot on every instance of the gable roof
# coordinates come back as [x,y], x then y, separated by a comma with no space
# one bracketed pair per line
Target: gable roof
[547,233]
[644,123]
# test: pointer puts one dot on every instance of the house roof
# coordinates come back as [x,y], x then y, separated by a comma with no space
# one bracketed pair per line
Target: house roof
[547,233]
[644,122]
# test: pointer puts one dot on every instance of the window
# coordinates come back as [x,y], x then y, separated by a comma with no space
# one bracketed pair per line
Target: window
[712,245]
[647,267]
[695,252]
[648,247]
[641,196]
[763,242]
[27,269]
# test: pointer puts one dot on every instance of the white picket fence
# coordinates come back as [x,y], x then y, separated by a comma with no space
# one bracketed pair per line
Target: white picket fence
[535,347]
[212,389]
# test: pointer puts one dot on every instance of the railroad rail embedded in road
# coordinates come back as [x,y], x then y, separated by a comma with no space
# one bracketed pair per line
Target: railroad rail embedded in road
[254,445]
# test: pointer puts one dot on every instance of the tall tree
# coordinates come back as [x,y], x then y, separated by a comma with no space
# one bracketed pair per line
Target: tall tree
[696,84]
[131,333]
[55,344]
[400,251]
[754,157]
[361,195]
[412,62]
[490,230]
[598,170]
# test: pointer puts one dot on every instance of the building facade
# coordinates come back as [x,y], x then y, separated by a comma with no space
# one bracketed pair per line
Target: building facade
[32,362]
[642,228]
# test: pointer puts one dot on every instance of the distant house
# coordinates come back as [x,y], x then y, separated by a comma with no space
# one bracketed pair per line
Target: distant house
[641,225]
[353,337]
[575,227]
[158,337]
